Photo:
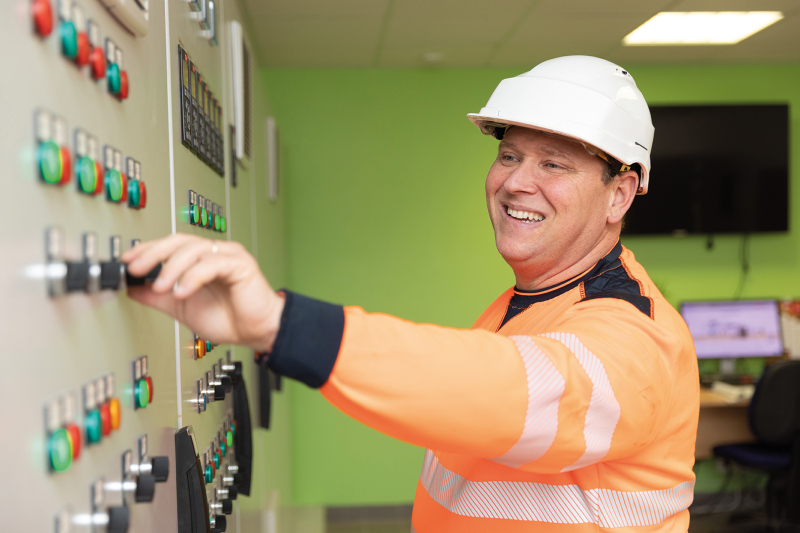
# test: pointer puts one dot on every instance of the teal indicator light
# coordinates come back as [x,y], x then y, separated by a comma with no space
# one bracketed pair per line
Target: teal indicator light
[49,156]
[94,427]
[204,217]
[217,459]
[114,185]
[223,448]
[142,394]
[69,39]
[59,448]
[223,225]
[209,474]
[86,172]
[134,194]
[114,80]
[229,437]
[209,346]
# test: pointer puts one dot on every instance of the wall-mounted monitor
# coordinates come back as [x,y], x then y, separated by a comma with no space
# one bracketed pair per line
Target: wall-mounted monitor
[716,169]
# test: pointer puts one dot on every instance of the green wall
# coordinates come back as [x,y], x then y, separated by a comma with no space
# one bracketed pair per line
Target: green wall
[383,177]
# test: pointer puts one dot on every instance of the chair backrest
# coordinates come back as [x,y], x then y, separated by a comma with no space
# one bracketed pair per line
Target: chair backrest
[775,408]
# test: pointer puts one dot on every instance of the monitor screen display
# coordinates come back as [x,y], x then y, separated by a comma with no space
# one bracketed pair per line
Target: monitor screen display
[716,169]
[749,328]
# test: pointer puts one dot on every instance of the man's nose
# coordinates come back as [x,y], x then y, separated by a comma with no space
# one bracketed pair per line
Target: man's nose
[522,180]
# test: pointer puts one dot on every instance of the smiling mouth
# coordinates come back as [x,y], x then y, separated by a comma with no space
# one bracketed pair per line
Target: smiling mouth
[525,216]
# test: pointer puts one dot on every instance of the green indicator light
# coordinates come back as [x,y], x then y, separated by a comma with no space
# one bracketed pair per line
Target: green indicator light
[114,82]
[49,156]
[60,449]
[94,427]
[69,40]
[229,437]
[86,171]
[142,394]
[113,185]
[223,225]
[204,217]
[195,214]
[217,222]
[217,460]
[134,194]
[223,448]
[209,346]
[209,474]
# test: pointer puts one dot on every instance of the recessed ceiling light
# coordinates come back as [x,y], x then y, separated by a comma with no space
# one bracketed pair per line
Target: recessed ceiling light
[700,27]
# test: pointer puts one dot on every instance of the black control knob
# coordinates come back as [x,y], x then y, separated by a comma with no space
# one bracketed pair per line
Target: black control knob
[233,492]
[226,383]
[111,274]
[150,277]
[237,478]
[219,393]
[77,276]
[227,506]
[160,468]
[214,530]
[118,520]
[220,522]
[145,488]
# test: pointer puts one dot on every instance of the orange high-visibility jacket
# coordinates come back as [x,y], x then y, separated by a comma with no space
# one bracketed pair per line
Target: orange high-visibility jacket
[579,414]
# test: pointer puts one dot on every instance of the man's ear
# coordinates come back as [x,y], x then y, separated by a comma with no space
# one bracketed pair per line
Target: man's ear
[624,190]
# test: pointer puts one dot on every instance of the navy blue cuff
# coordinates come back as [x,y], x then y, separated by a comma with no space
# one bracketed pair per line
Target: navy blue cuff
[309,339]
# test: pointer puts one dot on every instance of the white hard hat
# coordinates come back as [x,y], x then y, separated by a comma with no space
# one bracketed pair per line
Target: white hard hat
[585,98]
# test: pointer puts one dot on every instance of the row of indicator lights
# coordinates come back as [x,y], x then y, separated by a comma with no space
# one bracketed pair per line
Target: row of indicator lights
[142,384]
[206,214]
[202,347]
[81,43]
[92,178]
[219,449]
[103,413]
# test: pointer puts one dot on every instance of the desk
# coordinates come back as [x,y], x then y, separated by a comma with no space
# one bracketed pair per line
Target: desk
[720,423]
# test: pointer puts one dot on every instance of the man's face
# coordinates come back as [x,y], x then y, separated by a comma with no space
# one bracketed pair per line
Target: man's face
[547,202]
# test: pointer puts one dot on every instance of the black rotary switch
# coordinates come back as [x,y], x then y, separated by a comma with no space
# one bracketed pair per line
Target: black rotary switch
[227,506]
[220,522]
[219,393]
[233,492]
[77,276]
[226,382]
[118,520]
[135,281]
[160,469]
[145,488]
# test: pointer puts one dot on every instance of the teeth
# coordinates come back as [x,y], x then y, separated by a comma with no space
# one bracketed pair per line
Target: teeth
[525,215]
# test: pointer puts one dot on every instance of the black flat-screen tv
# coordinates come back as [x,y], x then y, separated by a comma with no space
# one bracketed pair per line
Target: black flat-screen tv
[716,169]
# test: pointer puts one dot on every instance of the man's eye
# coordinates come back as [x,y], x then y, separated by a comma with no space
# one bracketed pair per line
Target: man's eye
[509,158]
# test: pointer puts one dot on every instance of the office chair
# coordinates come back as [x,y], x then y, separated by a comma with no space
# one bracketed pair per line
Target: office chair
[774,417]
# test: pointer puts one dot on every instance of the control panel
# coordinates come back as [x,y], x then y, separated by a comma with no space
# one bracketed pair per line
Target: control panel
[114,132]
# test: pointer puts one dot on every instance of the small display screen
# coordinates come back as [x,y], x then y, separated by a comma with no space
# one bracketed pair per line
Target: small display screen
[749,328]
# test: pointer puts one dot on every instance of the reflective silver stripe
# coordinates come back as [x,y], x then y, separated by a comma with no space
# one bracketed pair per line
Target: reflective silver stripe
[604,411]
[557,504]
[545,389]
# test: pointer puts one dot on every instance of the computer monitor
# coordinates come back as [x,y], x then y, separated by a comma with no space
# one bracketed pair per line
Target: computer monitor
[744,328]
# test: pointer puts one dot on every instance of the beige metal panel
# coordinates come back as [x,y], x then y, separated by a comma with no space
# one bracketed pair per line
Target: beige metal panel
[51,347]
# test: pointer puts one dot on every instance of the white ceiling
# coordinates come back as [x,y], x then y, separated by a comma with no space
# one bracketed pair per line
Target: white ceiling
[494,33]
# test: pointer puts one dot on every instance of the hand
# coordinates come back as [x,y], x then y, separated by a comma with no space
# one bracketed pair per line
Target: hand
[221,296]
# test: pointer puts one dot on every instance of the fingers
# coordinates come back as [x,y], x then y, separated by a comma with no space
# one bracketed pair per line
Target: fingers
[203,272]
[182,259]
[144,256]
[165,303]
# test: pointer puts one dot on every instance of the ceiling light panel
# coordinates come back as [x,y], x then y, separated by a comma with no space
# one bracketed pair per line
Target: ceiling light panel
[700,27]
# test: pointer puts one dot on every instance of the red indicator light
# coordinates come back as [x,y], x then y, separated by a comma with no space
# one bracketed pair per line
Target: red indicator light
[82,58]
[124,188]
[42,17]
[74,433]
[142,195]
[98,187]
[149,381]
[66,166]
[123,85]
[105,420]
[97,60]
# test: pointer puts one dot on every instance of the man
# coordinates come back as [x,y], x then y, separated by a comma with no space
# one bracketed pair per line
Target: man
[572,404]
